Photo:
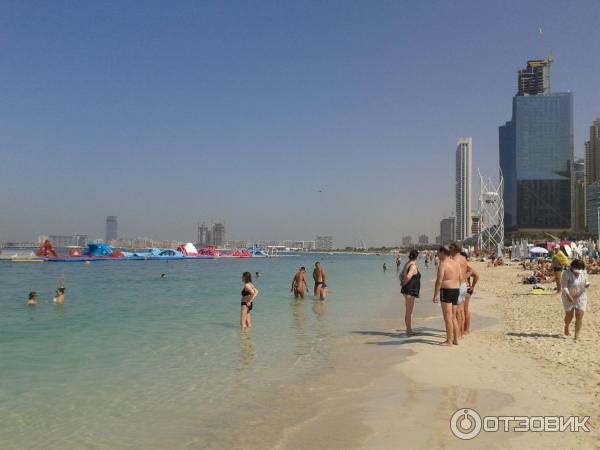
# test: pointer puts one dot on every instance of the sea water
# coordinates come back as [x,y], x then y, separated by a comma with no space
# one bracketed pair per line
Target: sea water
[133,360]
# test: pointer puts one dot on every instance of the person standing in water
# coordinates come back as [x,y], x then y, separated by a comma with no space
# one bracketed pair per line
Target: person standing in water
[447,286]
[299,284]
[59,297]
[319,276]
[574,285]
[384,267]
[32,301]
[398,262]
[410,280]
[249,293]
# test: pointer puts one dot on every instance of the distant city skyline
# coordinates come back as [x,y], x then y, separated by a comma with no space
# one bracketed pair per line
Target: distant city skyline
[285,120]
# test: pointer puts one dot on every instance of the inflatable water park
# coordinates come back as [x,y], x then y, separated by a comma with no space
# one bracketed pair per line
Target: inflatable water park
[103,252]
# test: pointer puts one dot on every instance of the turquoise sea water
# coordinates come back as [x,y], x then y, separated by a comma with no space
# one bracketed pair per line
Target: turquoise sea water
[135,361]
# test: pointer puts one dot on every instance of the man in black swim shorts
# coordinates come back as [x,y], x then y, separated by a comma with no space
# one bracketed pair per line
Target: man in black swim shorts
[447,291]
[449,295]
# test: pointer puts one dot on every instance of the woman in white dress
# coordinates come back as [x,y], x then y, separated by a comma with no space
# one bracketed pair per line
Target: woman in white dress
[574,283]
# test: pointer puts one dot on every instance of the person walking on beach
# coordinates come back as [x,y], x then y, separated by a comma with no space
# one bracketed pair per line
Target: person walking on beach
[249,293]
[32,301]
[459,256]
[410,280]
[299,283]
[319,276]
[59,297]
[447,286]
[472,280]
[559,263]
[574,282]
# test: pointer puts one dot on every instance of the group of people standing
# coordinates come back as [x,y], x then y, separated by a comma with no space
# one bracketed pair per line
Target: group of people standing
[454,286]
[299,288]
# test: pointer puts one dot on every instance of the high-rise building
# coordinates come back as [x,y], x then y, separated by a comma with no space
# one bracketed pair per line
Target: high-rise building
[475,224]
[536,159]
[111,229]
[447,232]
[324,242]
[593,207]
[203,235]
[406,241]
[579,204]
[464,150]
[535,78]
[218,235]
[592,154]
[423,239]
[592,172]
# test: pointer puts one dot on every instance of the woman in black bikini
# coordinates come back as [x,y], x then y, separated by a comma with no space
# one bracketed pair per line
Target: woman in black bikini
[249,293]
[410,280]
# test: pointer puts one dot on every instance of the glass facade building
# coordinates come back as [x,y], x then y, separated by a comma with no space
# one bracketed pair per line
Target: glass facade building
[111,229]
[593,203]
[536,160]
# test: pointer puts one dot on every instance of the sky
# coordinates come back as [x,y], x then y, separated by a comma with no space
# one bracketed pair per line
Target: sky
[285,119]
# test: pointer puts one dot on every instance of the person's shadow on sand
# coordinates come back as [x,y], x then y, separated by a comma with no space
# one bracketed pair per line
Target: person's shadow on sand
[402,338]
[537,335]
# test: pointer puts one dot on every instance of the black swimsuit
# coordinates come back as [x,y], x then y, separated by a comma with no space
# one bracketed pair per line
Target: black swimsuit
[413,287]
[247,293]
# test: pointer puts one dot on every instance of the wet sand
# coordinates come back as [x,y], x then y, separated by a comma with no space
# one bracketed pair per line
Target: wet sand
[383,390]
[390,391]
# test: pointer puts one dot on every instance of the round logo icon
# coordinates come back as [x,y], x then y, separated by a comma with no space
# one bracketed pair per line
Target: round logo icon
[465,423]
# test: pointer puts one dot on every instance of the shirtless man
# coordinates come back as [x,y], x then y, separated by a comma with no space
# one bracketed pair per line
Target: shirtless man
[456,254]
[319,277]
[447,289]
[299,283]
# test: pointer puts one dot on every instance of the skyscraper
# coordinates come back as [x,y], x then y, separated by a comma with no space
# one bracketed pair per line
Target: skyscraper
[447,234]
[592,177]
[536,157]
[218,235]
[464,149]
[535,78]
[579,204]
[592,154]
[203,235]
[111,228]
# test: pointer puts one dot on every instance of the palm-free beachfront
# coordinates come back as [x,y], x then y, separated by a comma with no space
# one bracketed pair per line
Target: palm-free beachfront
[133,360]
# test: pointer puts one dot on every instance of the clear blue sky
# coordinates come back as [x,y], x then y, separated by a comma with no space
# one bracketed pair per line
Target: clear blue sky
[163,113]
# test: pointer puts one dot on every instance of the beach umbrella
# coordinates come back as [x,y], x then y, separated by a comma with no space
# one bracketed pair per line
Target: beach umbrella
[538,251]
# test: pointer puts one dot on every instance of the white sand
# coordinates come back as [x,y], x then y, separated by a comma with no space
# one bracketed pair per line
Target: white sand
[367,403]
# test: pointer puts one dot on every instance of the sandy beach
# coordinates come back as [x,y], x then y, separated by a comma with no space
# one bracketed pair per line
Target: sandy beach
[390,391]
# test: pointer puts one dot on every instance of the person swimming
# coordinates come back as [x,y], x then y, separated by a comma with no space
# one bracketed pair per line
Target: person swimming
[163,275]
[32,301]
[59,297]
